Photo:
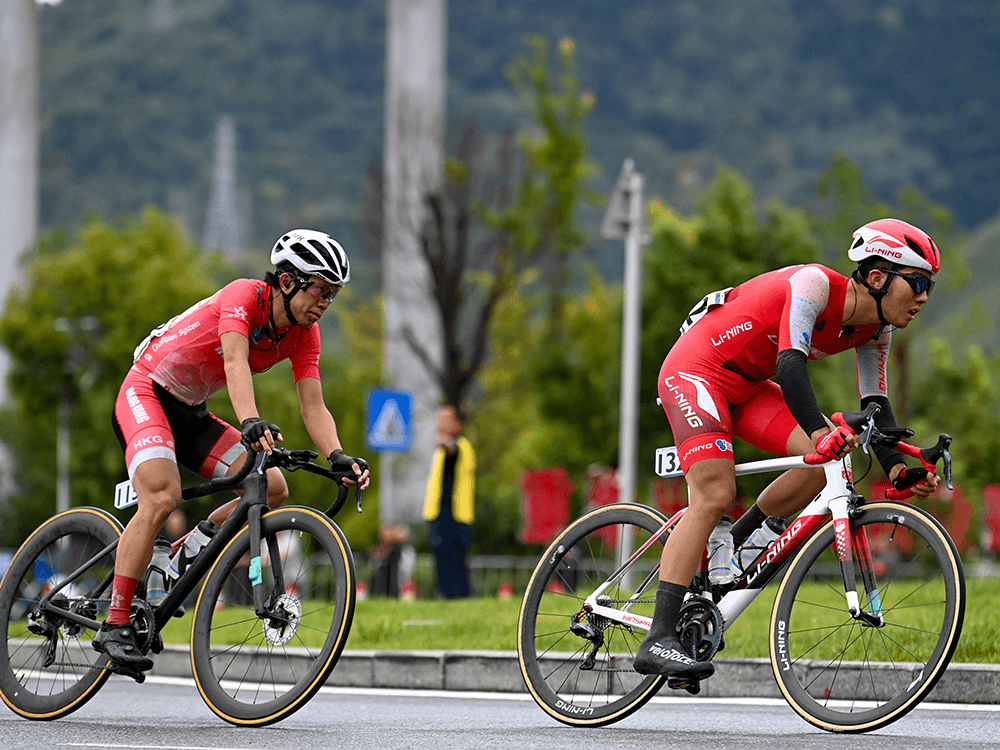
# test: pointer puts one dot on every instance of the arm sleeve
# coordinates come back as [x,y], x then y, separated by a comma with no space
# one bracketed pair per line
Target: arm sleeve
[791,375]
[884,420]
[873,360]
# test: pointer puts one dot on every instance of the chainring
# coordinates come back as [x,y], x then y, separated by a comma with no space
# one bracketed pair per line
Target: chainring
[700,628]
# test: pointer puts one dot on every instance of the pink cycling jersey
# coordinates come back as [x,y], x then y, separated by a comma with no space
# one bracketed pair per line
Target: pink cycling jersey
[183,358]
[715,381]
[185,354]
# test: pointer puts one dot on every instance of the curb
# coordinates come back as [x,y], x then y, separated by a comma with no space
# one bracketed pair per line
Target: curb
[498,671]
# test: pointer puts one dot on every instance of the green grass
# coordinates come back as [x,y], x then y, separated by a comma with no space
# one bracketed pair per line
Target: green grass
[491,624]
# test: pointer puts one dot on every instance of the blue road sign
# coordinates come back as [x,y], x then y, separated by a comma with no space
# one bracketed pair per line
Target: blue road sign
[390,421]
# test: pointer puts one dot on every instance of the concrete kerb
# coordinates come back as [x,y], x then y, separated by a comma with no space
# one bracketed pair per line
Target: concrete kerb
[498,671]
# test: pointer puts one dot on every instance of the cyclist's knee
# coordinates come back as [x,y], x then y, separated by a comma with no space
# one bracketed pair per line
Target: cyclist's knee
[713,485]
[158,485]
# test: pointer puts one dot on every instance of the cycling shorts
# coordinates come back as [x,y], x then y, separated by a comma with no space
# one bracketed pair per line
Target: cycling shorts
[150,423]
[706,405]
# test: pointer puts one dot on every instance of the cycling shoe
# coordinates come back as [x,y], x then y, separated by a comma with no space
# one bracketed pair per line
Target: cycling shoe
[666,656]
[119,644]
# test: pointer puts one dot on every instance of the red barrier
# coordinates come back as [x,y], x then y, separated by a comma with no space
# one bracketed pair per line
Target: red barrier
[545,495]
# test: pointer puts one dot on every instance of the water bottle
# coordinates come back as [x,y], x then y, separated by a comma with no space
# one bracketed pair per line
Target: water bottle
[156,577]
[720,552]
[193,544]
[757,542]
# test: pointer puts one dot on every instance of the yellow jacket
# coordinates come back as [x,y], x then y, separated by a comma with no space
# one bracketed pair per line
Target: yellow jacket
[463,495]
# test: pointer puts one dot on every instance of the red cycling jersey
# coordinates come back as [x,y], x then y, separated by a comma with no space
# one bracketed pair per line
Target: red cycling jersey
[185,354]
[715,381]
[160,411]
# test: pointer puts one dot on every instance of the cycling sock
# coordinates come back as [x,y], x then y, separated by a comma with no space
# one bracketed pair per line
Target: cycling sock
[669,598]
[121,600]
[747,524]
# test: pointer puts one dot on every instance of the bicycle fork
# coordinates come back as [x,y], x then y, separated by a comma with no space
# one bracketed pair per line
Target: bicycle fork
[847,540]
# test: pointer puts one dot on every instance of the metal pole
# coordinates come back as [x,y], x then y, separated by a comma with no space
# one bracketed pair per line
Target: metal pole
[628,434]
[62,448]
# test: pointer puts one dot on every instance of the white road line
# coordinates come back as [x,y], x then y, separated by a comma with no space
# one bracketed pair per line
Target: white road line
[662,700]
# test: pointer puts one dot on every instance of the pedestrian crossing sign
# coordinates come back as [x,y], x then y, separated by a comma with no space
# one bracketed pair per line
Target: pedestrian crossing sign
[390,421]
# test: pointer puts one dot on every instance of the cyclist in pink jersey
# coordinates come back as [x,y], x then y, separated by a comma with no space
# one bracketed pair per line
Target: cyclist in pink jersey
[739,369]
[162,421]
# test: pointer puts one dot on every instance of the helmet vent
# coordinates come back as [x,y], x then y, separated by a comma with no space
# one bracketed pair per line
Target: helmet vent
[858,242]
[915,247]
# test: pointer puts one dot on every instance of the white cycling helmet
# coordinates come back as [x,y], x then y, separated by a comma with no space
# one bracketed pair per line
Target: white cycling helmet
[313,254]
[897,242]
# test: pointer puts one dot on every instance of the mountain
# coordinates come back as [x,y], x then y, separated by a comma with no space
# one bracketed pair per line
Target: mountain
[132,90]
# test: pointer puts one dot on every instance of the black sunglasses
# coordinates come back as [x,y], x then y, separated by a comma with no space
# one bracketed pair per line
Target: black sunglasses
[918,282]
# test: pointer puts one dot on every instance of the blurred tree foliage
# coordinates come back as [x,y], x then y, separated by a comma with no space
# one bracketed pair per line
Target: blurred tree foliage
[124,280]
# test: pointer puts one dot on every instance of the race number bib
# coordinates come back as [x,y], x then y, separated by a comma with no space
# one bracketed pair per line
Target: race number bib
[125,496]
[708,303]
[668,463]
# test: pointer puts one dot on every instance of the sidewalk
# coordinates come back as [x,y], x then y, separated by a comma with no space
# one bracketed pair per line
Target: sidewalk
[498,671]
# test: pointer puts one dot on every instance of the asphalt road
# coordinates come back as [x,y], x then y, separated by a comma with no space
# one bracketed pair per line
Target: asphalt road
[168,714]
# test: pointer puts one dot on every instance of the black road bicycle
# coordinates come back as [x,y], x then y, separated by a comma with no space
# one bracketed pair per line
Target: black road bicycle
[269,625]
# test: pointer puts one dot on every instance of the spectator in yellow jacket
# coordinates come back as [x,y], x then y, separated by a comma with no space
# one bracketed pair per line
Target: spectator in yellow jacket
[449,507]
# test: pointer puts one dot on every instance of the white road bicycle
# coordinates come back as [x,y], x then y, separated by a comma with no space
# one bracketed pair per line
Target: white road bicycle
[867,615]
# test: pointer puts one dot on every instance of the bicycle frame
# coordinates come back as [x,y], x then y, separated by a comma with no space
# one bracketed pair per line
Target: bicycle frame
[248,511]
[836,499]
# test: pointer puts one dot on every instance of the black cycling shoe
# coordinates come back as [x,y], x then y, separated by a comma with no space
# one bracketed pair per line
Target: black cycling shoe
[119,644]
[666,656]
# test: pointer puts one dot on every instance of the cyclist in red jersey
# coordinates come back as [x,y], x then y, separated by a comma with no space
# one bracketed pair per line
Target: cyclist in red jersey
[716,382]
[162,421]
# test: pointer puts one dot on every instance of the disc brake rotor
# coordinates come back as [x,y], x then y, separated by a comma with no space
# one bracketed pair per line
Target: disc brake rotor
[280,630]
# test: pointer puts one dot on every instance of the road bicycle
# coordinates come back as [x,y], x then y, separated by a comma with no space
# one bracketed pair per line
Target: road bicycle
[269,624]
[866,618]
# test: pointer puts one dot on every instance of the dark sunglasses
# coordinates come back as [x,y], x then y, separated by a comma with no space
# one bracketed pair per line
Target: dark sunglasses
[918,282]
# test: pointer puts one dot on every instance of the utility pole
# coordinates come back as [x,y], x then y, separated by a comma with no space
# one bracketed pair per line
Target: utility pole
[414,169]
[625,219]
[225,219]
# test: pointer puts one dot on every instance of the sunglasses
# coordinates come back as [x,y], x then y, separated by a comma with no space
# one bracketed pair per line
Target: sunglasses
[918,282]
[327,294]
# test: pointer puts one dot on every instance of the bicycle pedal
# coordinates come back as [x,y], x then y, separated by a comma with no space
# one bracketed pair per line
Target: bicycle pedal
[135,674]
[684,683]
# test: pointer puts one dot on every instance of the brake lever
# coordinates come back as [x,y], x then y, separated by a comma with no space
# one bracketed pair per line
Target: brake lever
[358,493]
[866,435]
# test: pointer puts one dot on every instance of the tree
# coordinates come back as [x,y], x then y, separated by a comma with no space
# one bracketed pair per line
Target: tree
[126,279]
[486,228]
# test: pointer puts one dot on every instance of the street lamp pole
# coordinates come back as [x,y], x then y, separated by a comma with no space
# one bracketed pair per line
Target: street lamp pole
[76,357]
[624,219]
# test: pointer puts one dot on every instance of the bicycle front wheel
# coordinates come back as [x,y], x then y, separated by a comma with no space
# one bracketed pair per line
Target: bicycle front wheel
[254,671]
[577,666]
[48,668]
[845,674]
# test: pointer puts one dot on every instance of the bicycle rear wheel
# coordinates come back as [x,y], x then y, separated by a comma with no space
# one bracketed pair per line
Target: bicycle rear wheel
[842,674]
[253,671]
[47,666]
[578,667]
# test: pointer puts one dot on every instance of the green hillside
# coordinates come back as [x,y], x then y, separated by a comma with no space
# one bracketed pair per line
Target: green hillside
[130,97]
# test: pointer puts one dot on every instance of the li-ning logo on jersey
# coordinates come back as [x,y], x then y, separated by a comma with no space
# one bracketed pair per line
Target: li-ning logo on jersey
[732,333]
[702,398]
[138,410]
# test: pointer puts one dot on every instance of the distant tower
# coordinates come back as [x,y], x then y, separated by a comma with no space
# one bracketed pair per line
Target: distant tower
[225,220]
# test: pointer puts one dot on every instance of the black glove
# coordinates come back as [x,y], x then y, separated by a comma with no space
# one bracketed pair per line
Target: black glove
[252,430]
[909,477]
[340,460]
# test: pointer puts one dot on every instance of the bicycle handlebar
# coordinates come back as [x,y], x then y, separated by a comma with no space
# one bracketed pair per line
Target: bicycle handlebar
[293,460]
[862,423]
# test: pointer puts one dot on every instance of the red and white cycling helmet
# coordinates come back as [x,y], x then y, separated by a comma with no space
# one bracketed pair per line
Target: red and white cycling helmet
[313,254]
[897,242]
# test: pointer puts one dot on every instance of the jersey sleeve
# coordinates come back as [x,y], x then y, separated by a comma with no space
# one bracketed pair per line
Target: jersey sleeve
[236,303]
[305,360]
[873,360]
[807,298]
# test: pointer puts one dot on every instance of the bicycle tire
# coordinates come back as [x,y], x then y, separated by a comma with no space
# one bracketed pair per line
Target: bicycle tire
[250,675]
[60,545]
[552,657]
[841,675]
